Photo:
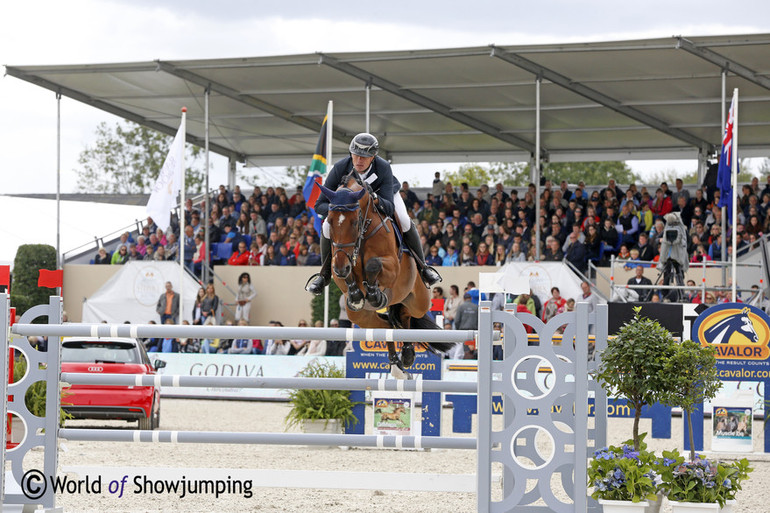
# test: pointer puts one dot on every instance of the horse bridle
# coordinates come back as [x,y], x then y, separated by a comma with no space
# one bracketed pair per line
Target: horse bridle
[363,225]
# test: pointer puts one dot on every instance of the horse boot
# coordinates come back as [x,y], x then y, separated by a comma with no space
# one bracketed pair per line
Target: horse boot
[316,284]
[407,354]
[428,274]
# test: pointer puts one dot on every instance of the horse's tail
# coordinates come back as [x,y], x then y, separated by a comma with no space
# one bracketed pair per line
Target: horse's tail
[426,323]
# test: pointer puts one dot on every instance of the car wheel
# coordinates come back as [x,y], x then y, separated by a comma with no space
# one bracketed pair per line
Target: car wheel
[156,413]
[146,423]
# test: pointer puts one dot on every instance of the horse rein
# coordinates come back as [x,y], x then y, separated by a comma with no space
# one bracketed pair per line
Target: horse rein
[363,225]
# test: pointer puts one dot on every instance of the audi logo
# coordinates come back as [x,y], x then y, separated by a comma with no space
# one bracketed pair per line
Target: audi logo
[94,368]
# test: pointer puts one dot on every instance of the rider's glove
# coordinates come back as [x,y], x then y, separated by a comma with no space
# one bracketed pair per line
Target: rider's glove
[374,196]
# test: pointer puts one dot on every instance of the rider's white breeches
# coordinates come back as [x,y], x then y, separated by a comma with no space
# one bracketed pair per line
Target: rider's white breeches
[400,213]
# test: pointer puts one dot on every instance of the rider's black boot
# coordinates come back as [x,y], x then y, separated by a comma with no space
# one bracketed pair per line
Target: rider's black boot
[319,281]
[428,274]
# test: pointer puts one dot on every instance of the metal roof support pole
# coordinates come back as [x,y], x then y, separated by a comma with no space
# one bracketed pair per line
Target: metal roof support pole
[368,103]
[537,168]
[703,154]
[58,185]
[231,173]
[206,243]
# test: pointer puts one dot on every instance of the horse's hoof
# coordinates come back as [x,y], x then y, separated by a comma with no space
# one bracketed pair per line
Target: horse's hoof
[356,305]
[397,372]
[407,355]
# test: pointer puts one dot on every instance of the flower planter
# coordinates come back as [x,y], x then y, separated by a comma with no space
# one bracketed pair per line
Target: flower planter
[728,507]
[694,507]
[654,506]
[623,506]
[331,426]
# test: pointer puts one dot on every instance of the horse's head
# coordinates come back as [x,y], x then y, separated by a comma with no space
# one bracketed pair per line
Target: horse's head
[345,223]
[747,328]
[740,322]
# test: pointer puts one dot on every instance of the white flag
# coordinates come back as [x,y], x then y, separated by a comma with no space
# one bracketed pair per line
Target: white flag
[169,182]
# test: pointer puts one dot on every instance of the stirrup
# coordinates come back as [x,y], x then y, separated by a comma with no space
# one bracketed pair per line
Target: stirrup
[430,276]
[316,284]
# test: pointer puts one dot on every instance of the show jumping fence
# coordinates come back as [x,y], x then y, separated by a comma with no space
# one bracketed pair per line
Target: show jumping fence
[531,412]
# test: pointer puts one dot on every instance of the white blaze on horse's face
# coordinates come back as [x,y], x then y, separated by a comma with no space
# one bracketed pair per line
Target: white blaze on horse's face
[341,219]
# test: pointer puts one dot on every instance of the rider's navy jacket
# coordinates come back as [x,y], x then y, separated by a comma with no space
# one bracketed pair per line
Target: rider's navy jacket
[379,176]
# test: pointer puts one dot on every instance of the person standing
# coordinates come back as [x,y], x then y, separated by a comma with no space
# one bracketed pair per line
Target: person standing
[246,293]
[168,305]
[467,315]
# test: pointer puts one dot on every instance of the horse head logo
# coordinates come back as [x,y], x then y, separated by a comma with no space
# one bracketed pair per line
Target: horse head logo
[740,323]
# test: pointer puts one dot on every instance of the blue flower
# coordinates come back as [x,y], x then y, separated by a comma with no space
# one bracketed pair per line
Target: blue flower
[727,484]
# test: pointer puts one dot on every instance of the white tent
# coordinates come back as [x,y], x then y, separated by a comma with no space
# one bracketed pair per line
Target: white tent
[539,277]
[131,295]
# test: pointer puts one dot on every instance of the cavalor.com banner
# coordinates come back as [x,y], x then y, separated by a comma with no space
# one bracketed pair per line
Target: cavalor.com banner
[740,335]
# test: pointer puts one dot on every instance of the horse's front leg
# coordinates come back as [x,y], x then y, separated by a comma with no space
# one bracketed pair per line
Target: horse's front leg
[376,297]
[397,369]
[355,296]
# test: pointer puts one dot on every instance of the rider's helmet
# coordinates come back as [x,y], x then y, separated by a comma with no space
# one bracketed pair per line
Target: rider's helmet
[364,145]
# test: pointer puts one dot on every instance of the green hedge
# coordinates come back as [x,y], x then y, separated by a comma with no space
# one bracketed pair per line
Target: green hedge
[25,293]
[317,304]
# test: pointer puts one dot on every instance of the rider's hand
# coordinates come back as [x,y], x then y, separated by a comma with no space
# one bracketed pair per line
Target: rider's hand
[375,198]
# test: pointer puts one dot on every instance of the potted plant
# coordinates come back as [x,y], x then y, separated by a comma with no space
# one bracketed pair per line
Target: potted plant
[321,410]
[634,365]
[623,478]
[692,371]
[700,485]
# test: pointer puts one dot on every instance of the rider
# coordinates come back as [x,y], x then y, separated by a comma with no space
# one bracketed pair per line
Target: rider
[377,173]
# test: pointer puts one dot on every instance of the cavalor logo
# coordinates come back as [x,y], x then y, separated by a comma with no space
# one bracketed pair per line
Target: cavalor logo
[377,346]
[735,331]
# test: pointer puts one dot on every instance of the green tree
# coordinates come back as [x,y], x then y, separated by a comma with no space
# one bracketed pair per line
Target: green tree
[317,304]
[290,177]
[692,371]
[592,173]
[30,258]
[126,159]
[516,174]
[634,365]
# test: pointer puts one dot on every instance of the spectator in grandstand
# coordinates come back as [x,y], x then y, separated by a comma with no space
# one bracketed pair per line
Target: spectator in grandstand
[554,305]
[172,247]
[527,301]
[167,306]
[240,257]
[285,257]
[189,345]
[640,279]
[467,257]
[102,257]
[552,251]
[483,256]
[270,257]
[160,254]
[576,253]
[433,257]
[627,225]
[133,254]
[516,254]
[150,253]
[662,204]
[276,346]
[246,293]
[198,256]
[189,247]
[141,247]
[120,256]
[257,225]
[500,256]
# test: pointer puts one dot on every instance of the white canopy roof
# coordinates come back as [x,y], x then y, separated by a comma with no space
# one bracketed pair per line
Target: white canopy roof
[646,99]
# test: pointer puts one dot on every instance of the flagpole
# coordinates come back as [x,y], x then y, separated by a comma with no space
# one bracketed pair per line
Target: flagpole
[735,191]
[182,219]
[329,123]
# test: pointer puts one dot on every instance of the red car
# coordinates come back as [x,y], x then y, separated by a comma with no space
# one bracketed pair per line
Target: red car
[110,356]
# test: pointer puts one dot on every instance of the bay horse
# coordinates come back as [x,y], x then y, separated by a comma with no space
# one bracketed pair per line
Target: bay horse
[371,270]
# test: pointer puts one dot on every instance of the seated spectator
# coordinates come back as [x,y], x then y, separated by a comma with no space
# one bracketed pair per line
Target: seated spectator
[314,255]
[120,256]
[199,255]
[483,256]
[552,251]
[241,257]
[172,248]
[467,257]
[241,345]
[189,345]
[133,254]
[555,304]
[149,253]
[285,257]
[102,258]
[141,247]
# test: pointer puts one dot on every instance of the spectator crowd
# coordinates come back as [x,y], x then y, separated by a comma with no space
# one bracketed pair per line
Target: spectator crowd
[460,227]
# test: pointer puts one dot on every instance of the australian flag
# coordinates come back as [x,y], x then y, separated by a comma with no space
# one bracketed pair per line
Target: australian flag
[315,174]
[725,171]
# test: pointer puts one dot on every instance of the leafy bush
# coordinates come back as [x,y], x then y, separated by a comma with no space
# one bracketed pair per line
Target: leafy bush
[25,293]
[320,404]
[317,304]
[34,398]
[623,473]
[701,480]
